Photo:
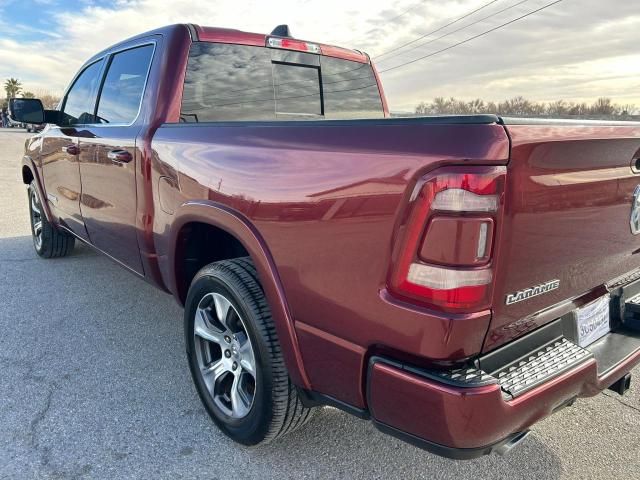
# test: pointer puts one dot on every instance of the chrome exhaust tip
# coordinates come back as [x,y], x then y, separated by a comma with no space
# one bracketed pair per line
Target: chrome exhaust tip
[510,444]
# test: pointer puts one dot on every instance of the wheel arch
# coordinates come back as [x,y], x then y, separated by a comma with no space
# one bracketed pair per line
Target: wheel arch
[236,226]
[29,174]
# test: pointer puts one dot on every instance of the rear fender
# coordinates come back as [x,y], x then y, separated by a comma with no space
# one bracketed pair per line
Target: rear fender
[233,223]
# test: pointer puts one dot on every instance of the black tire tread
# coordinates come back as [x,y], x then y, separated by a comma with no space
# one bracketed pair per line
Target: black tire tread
[55,242]
[288,411]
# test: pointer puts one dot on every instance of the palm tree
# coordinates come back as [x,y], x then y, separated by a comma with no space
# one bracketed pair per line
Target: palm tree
[13,87]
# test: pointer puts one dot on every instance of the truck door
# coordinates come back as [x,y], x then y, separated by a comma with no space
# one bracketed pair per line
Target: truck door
[109,158]
[60,149]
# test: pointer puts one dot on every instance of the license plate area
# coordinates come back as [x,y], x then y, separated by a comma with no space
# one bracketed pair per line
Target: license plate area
[592,322]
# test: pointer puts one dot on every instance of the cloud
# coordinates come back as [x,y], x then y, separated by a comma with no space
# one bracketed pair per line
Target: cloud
[576,50]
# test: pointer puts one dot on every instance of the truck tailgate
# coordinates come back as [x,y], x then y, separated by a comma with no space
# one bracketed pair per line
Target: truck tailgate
[567,218]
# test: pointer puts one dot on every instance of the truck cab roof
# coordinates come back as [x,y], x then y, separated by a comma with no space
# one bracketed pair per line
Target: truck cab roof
[232,36]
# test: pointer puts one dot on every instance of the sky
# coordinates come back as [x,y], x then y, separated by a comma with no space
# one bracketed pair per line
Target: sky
[576,50]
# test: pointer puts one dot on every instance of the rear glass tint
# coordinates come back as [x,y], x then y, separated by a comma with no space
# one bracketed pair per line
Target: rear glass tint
[81,98]
[227,82]
[124,85]
[297,90]
[238,82]
[350,89]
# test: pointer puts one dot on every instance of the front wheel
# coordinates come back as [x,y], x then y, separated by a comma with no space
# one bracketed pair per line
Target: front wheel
[235,357]
[48,241]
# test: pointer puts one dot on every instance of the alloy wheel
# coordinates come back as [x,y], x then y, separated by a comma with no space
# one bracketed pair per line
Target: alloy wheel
[225,355]
[36,219]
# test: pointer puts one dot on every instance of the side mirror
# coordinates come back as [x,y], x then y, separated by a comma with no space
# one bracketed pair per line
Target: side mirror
[26,110]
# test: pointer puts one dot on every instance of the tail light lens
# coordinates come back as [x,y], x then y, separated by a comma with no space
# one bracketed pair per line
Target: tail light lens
[444,258]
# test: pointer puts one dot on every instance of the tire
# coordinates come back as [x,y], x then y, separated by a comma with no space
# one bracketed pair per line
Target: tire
[48,241]
[272,407]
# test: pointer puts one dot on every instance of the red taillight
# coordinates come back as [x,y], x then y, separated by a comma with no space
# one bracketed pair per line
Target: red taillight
[444,259]
[291,44]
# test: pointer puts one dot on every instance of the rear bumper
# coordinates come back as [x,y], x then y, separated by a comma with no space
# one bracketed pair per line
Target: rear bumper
[470,421]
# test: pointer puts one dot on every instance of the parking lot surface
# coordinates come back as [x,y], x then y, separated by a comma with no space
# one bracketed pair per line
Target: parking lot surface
[94,384]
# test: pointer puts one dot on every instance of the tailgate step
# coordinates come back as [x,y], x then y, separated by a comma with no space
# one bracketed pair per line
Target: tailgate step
[518,375]
[540,366]
[632,313]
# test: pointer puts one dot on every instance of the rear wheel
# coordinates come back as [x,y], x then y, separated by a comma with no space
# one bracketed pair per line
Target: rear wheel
[48,241]
[235,357]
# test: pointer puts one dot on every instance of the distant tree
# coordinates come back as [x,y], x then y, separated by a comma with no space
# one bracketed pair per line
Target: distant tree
[440,105]
[628,109]
[537,109]
[491,107]
[515,106]
[28,95]
[477,106]
[13,87]
[604,106]
[557,108]
[423,108]
[49,100]
[520,106]
[578,109]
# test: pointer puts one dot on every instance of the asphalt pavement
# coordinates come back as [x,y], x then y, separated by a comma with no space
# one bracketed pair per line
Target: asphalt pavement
[94,384]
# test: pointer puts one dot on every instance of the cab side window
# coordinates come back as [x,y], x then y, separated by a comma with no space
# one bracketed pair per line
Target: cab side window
[124,85]
[80,102]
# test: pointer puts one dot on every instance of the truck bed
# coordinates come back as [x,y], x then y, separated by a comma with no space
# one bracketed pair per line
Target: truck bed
[339,192]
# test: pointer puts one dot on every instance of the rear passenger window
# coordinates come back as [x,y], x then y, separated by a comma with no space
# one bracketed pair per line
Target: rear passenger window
[124,84]
[237,82]
[227,82]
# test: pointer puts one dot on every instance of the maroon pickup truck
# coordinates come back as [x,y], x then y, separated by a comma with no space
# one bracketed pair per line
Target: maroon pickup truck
[452,279]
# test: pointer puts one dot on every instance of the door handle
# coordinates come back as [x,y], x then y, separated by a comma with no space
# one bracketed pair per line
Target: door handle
[71,149]
[120,156]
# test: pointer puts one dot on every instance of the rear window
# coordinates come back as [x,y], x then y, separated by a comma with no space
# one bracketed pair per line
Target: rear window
[297,89]
[237,82]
